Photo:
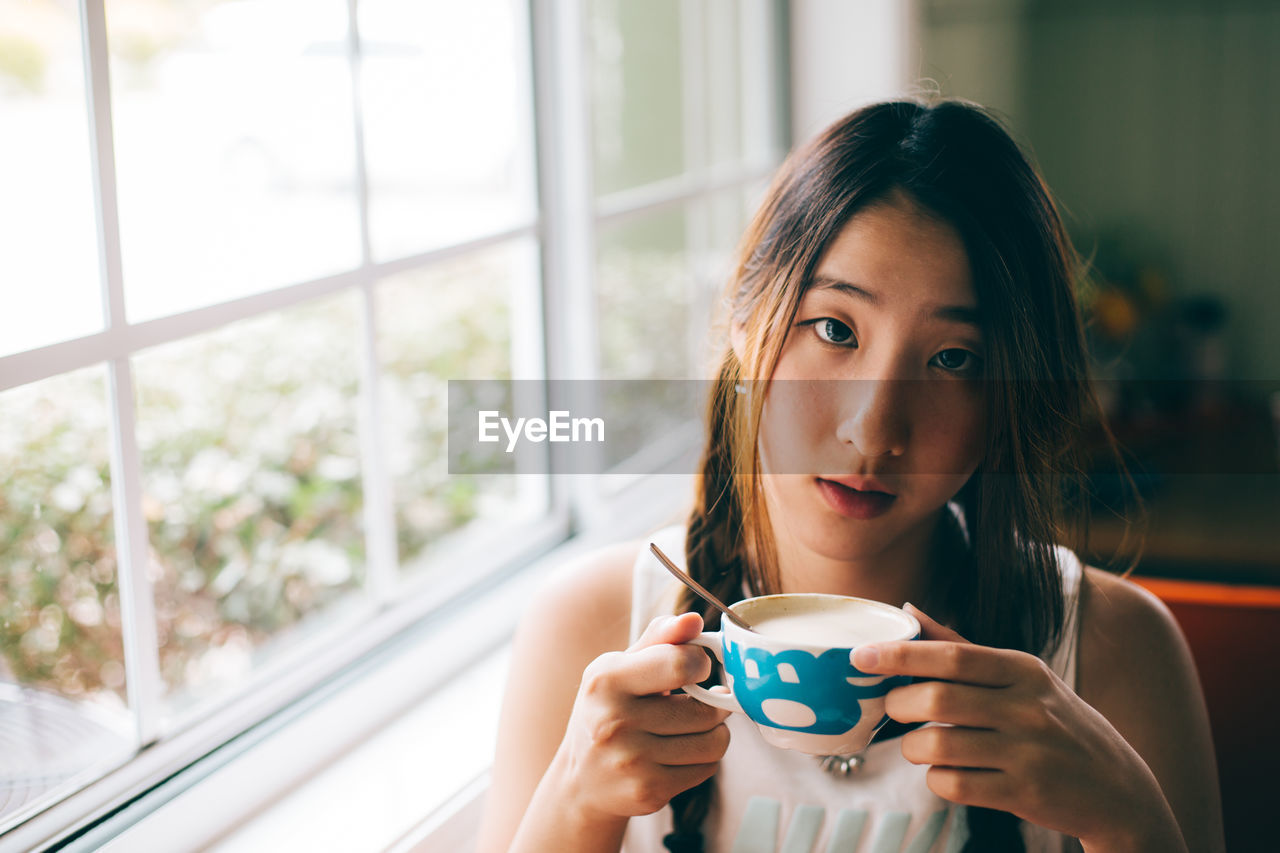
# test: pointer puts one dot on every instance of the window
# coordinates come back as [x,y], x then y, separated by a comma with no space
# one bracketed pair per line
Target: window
[247,244]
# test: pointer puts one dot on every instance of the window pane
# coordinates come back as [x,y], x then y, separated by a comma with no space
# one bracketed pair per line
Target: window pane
[446,121]
[723,52]
[645,293]
[62,679]
[753,196]
[727,221]
[729,216]
[652,324]
[252,488]
[464,319]
[235,148]
[760,81]
[48,237]
[638,83]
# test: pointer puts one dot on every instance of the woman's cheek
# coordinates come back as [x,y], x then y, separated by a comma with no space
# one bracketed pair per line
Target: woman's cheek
[952,443]
[792,432]
[973,430]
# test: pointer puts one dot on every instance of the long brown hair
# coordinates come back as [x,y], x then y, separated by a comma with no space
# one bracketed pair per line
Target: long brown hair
[953,159]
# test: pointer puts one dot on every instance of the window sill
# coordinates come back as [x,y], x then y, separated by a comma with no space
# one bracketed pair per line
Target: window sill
[354,772]
[394,760]
[374,797]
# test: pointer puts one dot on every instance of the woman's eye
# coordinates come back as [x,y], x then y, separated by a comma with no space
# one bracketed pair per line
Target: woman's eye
[957,360]
[833,331]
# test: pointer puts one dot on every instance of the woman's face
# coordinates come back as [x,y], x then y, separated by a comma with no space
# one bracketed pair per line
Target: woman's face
[874,418]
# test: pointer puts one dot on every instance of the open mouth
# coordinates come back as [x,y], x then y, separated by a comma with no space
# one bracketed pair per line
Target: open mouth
[854,503]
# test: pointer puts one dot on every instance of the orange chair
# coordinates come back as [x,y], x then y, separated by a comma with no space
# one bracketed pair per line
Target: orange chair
[1234,634]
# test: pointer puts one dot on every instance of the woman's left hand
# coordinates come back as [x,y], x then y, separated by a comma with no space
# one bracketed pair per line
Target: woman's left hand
[1019,740]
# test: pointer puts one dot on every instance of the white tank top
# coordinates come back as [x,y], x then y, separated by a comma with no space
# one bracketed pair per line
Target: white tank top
[771,800]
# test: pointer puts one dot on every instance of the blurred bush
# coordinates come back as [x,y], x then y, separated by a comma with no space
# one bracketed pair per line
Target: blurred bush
[59,605]
[251,484]
[252,488]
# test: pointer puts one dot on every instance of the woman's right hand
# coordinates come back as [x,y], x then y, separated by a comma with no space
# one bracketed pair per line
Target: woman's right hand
[630,744]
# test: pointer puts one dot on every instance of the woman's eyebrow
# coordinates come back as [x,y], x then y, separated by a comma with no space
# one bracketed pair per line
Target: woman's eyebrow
[823,282]
[955,313]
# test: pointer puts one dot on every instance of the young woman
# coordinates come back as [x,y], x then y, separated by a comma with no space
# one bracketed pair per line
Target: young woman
[896,416]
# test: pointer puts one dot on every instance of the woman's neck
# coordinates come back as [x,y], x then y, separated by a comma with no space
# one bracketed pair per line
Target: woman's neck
[896,575]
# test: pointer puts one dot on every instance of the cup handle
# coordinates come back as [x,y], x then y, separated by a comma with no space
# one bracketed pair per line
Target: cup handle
[712,642]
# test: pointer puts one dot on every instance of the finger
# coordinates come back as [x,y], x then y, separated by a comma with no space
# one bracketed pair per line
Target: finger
[669,629]
[675,715]
[944,702]
[685,776]
[930,628]
[954,746]
[653,785]
[990,789]
[647,671]
[964,662]
[683,750]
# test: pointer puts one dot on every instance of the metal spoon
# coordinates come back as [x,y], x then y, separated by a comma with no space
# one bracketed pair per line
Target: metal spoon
[684,578]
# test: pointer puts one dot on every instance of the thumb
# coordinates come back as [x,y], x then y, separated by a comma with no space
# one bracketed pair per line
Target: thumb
[931,629]
[669,629]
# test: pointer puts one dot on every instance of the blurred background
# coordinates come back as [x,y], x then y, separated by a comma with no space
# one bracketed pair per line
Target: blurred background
[245,243]
[1153,124]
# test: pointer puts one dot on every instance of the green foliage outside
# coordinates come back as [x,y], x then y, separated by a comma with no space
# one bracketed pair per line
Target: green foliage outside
[252,487]
[450,322]
[23,62]
[59,605]
[637,79]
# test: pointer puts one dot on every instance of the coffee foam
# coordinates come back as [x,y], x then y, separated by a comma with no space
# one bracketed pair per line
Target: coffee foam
[826,621]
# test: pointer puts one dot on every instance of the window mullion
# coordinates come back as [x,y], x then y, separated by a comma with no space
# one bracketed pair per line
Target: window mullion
[699,36]
[698,238]
[562,92]
[756,84]
[695,70]
[528,351]
[137,600]
[381,558]
[564,179]
[529,308]
[357,114]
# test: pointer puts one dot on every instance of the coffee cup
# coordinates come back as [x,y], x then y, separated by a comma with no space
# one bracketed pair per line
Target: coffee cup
[792,674]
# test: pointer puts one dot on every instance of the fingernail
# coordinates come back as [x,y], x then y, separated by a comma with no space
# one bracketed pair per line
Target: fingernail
[866,657]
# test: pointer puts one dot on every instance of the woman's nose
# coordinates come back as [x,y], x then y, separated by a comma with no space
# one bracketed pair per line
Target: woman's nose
[875,416]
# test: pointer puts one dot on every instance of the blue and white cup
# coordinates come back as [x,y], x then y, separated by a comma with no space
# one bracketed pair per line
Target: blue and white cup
[793,674]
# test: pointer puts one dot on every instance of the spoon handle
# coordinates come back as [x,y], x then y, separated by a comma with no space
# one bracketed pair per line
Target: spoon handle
[684,578]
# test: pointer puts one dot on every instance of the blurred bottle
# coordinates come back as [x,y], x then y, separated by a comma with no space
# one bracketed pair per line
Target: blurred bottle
[1199,331]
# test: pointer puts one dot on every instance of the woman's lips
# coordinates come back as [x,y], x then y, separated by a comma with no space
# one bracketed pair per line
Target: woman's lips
[853,503]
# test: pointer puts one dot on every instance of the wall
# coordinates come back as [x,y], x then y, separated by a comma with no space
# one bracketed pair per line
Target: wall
[1156,125]
[846,54]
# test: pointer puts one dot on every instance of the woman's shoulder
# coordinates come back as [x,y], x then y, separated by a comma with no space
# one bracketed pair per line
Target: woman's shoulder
[1137,671]
[1125,631]
[588,598]
[1117,607]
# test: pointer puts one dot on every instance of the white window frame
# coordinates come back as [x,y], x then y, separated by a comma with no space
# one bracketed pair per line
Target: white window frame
[564,225]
